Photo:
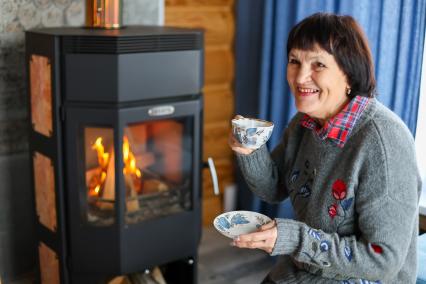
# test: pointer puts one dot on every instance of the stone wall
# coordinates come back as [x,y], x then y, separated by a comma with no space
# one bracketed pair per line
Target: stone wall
[17,237]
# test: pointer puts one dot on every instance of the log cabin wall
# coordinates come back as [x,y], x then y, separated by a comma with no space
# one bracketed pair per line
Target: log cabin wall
[216,17]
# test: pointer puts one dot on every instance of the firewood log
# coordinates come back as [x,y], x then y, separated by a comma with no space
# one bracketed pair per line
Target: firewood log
[158,276]
[120,280]
[144,160]
[90,174]
[108,191]
[132,204]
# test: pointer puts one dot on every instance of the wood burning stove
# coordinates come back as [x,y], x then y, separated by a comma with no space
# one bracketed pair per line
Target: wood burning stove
[115,139]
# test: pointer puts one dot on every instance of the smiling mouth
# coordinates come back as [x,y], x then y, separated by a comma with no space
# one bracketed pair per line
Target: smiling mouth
[304,92]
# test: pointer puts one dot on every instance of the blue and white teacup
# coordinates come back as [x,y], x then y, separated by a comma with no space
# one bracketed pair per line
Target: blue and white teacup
[251,133]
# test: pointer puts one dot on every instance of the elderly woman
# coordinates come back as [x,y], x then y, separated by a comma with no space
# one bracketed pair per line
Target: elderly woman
[346,162]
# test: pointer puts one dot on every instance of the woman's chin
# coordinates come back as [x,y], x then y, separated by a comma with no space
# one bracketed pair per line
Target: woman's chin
[305,108]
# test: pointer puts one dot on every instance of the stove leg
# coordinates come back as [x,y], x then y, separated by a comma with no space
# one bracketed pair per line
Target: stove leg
[181,271]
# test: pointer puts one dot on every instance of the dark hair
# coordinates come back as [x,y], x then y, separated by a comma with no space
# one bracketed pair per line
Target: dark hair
[343,38]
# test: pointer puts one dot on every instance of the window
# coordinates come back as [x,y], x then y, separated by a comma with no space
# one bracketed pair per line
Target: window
[421,134]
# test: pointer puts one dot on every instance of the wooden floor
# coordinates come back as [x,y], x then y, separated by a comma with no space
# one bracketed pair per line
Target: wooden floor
[221,263]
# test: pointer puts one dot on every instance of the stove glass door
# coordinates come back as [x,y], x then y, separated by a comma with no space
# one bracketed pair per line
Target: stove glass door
[157,168]
[100,175]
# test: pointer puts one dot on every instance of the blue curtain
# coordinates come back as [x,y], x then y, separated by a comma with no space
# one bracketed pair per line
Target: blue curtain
[395,30]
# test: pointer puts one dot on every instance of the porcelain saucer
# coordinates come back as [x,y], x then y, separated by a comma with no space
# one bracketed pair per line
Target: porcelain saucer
[234,223]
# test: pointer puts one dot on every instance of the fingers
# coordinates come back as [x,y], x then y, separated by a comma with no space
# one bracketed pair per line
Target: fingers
[254,237]
[266,245]
[264,239]
[268,225]
[232,141]
[251,245]
[236,146]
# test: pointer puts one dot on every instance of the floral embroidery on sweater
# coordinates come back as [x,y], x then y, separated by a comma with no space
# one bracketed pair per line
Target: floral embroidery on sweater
[339,189]
[317,249]
[339,192]
[305,189]
[377,249]
[294,176]
[362,281]
[347,251]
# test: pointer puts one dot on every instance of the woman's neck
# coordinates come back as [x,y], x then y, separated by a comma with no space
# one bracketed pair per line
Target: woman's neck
[324,118]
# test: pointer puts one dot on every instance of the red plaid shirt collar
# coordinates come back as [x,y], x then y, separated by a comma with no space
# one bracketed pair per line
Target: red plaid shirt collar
[340,126]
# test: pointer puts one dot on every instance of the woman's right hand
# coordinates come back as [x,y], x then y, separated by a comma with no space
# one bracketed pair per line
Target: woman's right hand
[236,146]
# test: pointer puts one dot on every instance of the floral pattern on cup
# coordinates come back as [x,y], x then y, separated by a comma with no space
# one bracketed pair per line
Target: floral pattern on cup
[250,132]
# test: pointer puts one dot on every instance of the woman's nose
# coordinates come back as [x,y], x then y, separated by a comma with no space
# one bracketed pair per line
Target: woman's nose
[303,75]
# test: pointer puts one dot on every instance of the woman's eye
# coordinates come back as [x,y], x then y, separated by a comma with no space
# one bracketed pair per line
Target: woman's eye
[293,61]
[319,65]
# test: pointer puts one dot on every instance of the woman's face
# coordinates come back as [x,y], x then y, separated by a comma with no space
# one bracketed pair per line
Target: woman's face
[318,84]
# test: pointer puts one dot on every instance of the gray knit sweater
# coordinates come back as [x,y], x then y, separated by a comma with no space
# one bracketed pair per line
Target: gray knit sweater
[356,207]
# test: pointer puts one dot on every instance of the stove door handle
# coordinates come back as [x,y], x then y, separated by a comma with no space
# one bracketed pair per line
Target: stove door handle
[212,168]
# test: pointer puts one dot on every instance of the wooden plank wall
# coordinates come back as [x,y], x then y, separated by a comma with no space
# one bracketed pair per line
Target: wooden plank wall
[216,17]
[422,223]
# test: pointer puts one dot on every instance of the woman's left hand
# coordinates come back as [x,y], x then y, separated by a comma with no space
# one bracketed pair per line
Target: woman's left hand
[263,239]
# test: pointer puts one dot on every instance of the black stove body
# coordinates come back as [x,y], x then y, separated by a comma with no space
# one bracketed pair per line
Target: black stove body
[115,140]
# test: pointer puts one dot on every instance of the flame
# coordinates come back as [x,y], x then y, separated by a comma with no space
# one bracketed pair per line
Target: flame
[97,188]
[129,160]
[102,156]
[97,181]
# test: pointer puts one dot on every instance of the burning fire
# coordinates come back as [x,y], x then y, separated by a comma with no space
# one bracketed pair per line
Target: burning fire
[130,170]
[129,160]
[102,156]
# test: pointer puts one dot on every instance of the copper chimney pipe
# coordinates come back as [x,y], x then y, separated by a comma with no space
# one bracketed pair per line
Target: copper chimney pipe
[106,14]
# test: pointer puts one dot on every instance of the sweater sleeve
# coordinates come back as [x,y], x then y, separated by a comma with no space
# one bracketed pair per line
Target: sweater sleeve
[262,175]
[264,171]
[386,205]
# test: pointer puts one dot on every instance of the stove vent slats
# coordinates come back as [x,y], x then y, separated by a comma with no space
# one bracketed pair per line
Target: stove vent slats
[120,45]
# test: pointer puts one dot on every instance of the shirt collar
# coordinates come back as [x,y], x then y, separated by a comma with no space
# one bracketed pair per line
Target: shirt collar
[338,128]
